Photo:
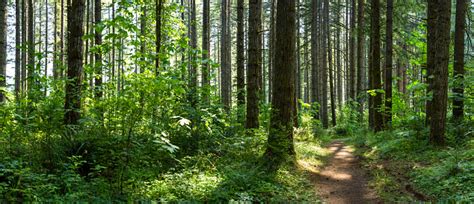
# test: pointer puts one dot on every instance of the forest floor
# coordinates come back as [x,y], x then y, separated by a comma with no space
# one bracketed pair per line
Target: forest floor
[343,180]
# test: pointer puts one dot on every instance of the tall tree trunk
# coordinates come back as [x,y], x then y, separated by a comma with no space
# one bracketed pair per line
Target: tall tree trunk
[75,29]
[55,46]
[352,53]
[314,55]
[298,66]
[143,24]
[280,139]
[307,62]
[339,59]
[439,13]
[271,52]
[240,54]
[31,47]
[61,50]
[23,42]
[159,8]
[254,62]
[18,23]
[3,48]
[98,54]
[206,48]
[331,78]
[46,40]
[388,65]
[193,72]
[226,75]
[375,74]
[360,57]
[458,71]
[324,67]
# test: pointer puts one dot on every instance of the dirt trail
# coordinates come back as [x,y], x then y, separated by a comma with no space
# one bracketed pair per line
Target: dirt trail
[343,180]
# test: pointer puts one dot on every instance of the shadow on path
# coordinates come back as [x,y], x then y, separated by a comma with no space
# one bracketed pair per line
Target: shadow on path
[343,180]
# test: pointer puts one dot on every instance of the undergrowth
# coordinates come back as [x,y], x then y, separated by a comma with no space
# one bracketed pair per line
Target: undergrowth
[406,167]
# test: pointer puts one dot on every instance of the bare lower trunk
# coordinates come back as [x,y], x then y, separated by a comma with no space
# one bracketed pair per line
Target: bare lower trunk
[74,58]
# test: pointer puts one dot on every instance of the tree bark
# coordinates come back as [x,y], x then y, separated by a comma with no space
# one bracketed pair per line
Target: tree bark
[352,53]
[98,54]
[360,57]
[375,74]
[254,62]
[226,75]
[240,54]
[388,65]
[159,8]
[74,58]
[31,47]
[18,23]
[206,51]
[314,56]
[3,49]
[324,67]
[458,71]
[439,13]
[331,78]
[280,139]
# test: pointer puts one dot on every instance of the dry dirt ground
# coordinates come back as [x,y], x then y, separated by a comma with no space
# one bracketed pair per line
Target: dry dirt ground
[343,180]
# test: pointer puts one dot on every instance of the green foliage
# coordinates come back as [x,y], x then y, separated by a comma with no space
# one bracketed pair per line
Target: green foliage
[440,174]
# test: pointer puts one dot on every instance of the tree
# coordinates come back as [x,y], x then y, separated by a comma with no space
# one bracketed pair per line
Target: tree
[360,55]
[159,5]
[352,53]
[280,138]
[374,69]
[226,75]
[193,70]
[240,54]
[439,13]
[330,70]
[458,71]
[3,48]
[98,43]
[324,65]
[388,64]
[31,46]
[254,62]
[206,50]
[314,55]
[75,19]
[17,48]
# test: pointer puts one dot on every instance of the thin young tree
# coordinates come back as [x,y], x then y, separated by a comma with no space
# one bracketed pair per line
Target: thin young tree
[75,19]
[458,71]
[439,13]
[280,139]
[17,49]
[254,62]
[3,49]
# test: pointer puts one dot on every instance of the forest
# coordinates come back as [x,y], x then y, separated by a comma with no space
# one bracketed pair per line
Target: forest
[237,101]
